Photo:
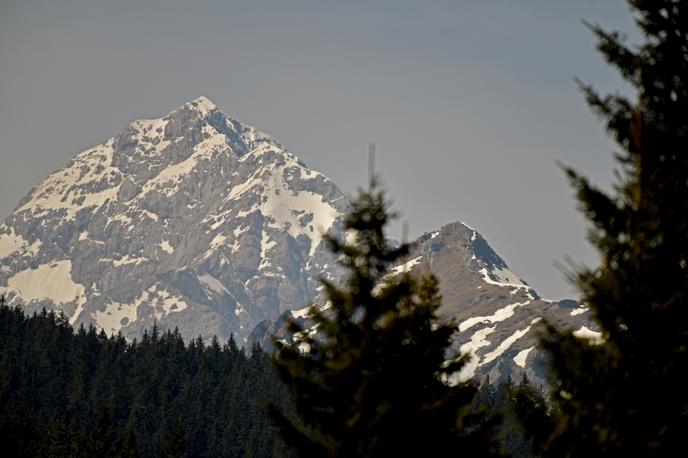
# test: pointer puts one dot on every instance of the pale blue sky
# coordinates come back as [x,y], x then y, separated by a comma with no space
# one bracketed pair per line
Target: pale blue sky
[471,103]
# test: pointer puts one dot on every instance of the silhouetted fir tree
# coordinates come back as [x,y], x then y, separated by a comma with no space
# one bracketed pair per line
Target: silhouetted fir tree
[175,443]
[525,419]
[370,383]
[102,437]
[626,395]
[19,434]
[129,445]
[61,438]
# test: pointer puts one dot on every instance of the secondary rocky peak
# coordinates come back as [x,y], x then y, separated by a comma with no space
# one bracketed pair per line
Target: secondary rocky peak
[496,313]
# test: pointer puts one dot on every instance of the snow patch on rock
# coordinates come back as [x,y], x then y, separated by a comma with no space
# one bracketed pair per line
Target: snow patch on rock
[213,284]
[593,337]
[520,358]
[11,243]
[407,266]
[118,315]
[47,282]
[166,247]
[579,311]
[500,315]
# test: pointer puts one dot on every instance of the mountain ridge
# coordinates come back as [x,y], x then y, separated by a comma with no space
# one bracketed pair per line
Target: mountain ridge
[197,221]
[496,314]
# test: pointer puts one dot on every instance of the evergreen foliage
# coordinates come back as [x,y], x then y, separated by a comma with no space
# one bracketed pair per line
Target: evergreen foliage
[83,394]
[66,393]
[626,394]
[515,415]
[371,381]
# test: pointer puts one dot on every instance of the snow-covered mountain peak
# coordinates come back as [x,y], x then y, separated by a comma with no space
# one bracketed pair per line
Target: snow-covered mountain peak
[192,219]
[203,104]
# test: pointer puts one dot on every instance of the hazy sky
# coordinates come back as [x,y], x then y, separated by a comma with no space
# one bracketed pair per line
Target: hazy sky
[471,102]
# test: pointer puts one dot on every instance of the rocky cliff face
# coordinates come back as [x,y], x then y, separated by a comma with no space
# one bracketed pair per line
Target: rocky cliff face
[192,220]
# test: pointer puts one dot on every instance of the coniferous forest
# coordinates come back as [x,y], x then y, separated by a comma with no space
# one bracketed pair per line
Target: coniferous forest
[374,380]
[80,393]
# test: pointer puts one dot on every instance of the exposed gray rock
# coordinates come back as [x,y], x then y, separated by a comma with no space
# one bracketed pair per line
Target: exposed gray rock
[191,220]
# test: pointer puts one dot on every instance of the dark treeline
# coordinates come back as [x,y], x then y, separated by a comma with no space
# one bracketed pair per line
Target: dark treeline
[79,393]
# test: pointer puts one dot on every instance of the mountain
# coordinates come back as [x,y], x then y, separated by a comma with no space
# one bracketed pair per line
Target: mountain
[496,313]
[192,220]
[197,221]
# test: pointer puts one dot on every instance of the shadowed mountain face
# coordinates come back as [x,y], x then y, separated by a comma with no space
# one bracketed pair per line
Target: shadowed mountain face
[495,312]
[198,221]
